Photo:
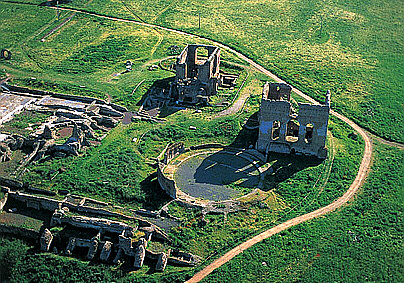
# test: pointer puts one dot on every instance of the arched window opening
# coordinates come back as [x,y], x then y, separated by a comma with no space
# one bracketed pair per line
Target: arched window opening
[308,137]
[276,126]
[292,131]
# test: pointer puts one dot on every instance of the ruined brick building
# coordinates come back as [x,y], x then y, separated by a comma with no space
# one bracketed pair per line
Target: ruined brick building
[197,73]
[282,129]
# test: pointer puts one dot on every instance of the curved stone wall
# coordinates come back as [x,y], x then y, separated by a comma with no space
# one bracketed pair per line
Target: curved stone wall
[168,184]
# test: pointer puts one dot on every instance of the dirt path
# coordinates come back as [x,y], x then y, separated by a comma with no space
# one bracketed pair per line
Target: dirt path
[360,178]
[165,9]
[237,104]
[363,169]
[383,141]
[52,31]
[241,56]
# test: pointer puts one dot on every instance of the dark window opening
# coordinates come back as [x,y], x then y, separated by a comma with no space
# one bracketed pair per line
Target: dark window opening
[308,137]
[292,131]
[187,99]
[276,126]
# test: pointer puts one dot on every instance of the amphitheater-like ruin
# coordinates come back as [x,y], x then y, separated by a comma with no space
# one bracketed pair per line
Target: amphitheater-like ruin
[211,178]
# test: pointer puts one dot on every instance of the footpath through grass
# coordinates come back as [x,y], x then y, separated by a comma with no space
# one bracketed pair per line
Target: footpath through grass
[361,242]
[286,199]
[352,48]
[119,170]
[87,55]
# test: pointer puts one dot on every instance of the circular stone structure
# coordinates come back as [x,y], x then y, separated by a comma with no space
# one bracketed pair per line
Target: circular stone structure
[216,175]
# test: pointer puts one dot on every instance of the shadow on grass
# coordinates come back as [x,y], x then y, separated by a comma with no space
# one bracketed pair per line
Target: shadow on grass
[169,110]
[155,197]
[285,166]
[156,87]
[248,136]
[22,209]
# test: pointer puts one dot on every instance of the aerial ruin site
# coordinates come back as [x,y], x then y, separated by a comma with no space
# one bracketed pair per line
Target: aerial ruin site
[135,151]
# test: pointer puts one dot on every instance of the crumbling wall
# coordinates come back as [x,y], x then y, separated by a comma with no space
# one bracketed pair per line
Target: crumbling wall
[129,248]
[273,117]
[46,240]
[317,117]
[91,244]
[161,261]
[178,257]
[84,99]
[277,91]
[107,225]
[36,202]
[283,131]
[21,233]
[3,201]
[49,204]
[10,143]
[106,251]
[166,184]
[197,79]
[172,151]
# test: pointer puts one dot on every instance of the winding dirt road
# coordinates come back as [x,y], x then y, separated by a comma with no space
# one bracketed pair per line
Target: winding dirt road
[360,177]
[363,169]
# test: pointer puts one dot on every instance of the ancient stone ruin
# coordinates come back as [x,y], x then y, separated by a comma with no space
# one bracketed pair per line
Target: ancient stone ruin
[77,121]
[97,238]
[197,77]
[283,129]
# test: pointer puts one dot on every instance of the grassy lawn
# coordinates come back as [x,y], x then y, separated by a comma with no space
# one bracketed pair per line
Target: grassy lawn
[87,55]
[315,45]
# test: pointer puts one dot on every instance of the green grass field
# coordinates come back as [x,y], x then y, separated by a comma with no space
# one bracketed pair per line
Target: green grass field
[313,45]
[353,49]
[352,54]
[86,56]
[361,242]
[286,199]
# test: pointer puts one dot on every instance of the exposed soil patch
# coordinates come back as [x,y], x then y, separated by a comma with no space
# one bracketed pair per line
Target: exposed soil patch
[65,132]
[127,118]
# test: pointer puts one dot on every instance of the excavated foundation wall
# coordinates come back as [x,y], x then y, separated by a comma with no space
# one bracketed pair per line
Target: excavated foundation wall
[21,233]
[84,99]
